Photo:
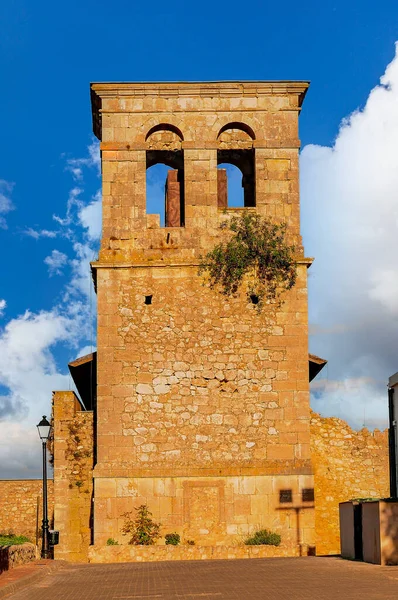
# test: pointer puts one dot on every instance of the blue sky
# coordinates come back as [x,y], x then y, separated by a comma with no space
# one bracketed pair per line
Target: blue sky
[49,53]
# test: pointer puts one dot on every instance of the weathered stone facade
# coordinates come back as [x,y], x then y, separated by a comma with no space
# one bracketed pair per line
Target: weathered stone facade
[73,476]
[21,506]
[348,464]
[202,401]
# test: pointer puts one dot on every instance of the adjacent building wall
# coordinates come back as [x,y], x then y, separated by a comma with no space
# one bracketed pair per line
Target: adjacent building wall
[21,506]
[73,483]
[348,464]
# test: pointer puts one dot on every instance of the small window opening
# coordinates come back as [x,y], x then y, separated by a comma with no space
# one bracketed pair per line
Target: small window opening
[165,186]
[236,178]
[307,495]
[254,298]
[148,299]
[285,496]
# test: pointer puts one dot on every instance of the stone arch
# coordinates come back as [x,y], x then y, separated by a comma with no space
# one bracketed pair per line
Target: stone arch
[164,136]
[241,130]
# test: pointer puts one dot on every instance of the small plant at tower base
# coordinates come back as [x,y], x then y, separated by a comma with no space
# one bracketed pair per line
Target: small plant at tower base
[263,537]
[172,539]
[142,529]
[257,250]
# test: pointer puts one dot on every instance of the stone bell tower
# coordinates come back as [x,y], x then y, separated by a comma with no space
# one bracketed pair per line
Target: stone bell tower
[202,405]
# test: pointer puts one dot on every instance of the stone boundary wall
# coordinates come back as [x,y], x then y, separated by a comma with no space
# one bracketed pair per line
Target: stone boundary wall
[21,504]
[347,464]
[126,553]
[14,556]
[73,476]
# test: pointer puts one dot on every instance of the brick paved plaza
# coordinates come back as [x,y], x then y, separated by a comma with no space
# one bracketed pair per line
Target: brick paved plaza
[282,578]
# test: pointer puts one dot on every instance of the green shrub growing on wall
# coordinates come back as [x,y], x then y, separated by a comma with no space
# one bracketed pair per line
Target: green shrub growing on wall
[11,539]
[263,537]
[111,542]
[143,530]
[258,250]
[172,539]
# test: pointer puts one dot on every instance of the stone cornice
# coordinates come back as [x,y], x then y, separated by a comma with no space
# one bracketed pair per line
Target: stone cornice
[159,265]
[284,143]
[271,467]
[199,88]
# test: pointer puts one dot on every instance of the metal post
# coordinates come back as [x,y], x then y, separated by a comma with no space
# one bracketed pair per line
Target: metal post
[393,443]
[45,547]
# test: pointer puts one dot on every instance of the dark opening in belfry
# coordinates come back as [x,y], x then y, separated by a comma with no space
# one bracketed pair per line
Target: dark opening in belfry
[165,175]
[236,166]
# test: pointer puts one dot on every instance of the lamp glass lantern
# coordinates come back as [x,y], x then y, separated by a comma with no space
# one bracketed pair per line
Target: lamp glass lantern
[44,429]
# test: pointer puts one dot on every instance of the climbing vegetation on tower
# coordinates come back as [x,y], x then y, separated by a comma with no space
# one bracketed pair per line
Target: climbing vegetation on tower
[257,252]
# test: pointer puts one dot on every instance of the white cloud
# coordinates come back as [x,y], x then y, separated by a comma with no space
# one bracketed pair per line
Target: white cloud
[74,202]
[357,400]
[6,204]
[27,367]
[29,372]
[39,233]
[20,450]
[90,217]
[3,305]
[349,196]
[56,261]
[76,165]
[81,281]
[86,350]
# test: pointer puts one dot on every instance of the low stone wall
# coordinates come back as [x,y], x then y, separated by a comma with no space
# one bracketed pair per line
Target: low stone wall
[14,556]
[347,464]
[21,504]
[121,554]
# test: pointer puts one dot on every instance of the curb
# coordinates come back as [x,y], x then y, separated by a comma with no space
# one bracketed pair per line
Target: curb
[19,584]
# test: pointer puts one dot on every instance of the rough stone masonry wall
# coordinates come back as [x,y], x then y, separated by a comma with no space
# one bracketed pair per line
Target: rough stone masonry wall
[121,554]
[73,476]
[195,386]
[21,504]
[195,381]
[347,464]
[14,556]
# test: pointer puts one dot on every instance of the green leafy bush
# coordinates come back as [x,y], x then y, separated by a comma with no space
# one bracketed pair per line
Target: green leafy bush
[172,539]
[143,530]
[263,537]
[111,542]
[257,250]
[11,539]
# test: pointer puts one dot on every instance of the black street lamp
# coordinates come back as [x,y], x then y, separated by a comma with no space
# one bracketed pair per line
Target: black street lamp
[44,429]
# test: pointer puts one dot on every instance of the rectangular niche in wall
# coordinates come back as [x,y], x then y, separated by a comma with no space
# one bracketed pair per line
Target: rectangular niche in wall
[204,505]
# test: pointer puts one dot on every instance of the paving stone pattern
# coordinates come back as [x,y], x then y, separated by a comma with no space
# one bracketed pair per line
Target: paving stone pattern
[286,579]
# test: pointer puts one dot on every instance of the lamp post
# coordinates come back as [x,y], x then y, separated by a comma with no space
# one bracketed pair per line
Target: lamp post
[44,429]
